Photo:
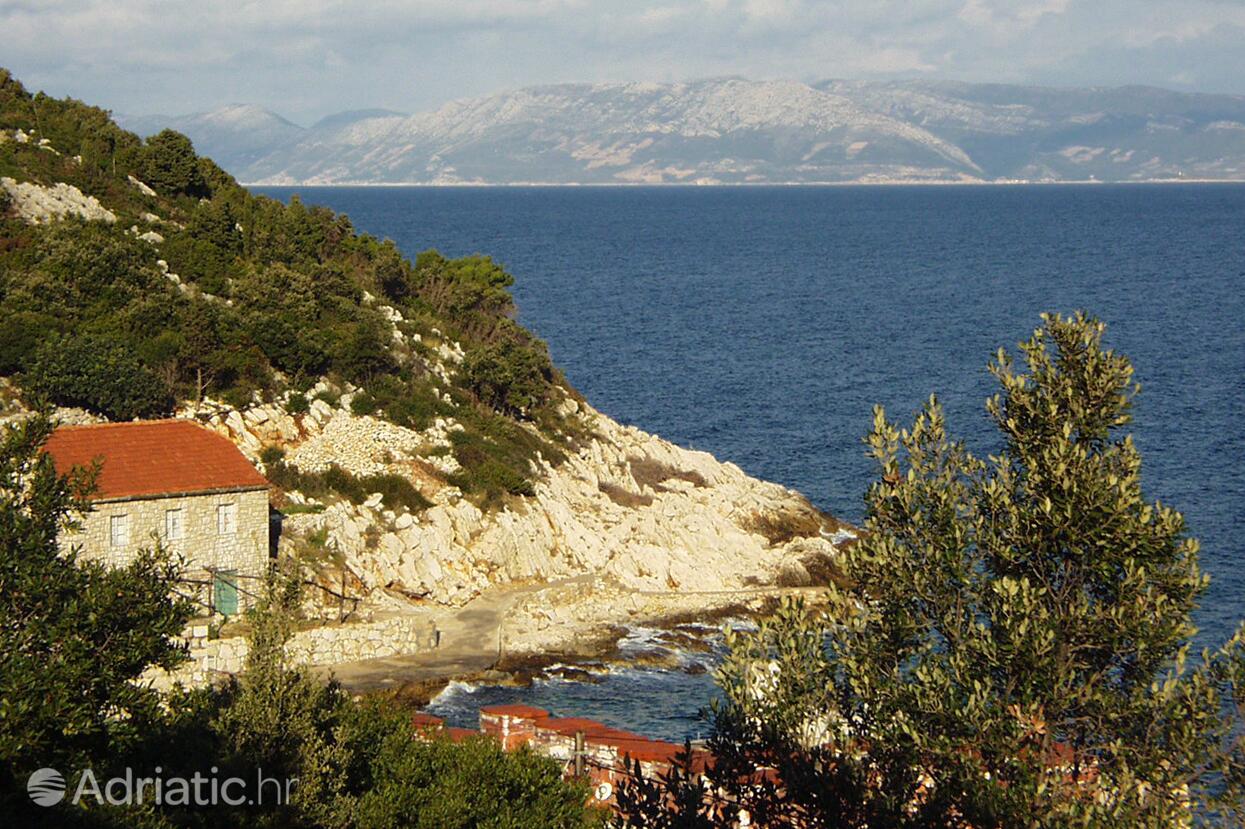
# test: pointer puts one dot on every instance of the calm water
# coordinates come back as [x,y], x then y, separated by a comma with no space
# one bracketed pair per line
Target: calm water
[761,324]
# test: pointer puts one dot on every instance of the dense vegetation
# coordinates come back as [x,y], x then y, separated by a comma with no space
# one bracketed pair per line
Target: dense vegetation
[270,298]
[75,636]
[1014,651]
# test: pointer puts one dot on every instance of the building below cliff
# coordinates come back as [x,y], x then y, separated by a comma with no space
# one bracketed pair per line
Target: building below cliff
[172,483]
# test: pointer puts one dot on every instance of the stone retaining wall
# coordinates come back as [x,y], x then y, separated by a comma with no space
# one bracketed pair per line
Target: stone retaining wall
[328,645]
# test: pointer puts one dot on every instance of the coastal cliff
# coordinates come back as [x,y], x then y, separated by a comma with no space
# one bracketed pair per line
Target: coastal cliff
[627,506]
[426,456]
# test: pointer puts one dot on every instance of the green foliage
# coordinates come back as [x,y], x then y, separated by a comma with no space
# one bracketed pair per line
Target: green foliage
[464,289]
[21,334]
[74,636]
[396,491]
[99,375]
[363,404]
[497,456]
[198,261]
[1015,652]
[79,272]
[510,377]
[357,764]
[297,404]
[169,165]
[276,712]
[443,785]
[273,297]
[270,455]
[413,403]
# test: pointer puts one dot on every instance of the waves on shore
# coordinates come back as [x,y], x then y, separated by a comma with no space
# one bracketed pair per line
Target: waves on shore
[659,684]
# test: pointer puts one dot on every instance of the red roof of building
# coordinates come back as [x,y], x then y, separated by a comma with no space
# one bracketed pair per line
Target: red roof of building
[153,457]
[422,719]
[457,735]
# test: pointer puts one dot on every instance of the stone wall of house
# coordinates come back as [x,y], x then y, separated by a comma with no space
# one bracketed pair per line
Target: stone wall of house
[211,659]
[202,544]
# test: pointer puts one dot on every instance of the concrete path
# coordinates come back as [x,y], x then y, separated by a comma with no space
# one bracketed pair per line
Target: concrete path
[470,642]
[471,638]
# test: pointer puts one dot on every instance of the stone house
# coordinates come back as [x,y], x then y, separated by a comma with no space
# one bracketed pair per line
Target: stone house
[177,483]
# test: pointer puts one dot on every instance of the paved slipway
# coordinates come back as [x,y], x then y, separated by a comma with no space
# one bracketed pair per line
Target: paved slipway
[475,638]
[470,641]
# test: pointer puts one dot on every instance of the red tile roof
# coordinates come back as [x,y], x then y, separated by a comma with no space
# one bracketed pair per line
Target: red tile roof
[154,457]
[423,720]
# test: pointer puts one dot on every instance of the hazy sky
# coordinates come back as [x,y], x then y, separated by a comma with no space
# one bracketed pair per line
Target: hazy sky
[307,58]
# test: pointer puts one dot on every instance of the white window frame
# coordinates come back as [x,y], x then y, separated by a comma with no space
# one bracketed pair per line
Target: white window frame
[227,519]
[174,524]
[119,531]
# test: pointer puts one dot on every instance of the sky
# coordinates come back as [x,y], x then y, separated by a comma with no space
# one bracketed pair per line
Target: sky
[308,58]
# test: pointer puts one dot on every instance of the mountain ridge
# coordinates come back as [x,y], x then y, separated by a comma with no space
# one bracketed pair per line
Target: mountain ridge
[731,130]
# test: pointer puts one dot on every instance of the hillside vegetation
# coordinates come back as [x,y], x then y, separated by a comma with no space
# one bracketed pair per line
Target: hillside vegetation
[200,289]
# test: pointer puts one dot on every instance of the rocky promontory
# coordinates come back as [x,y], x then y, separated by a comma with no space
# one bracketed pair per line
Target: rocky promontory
[627,507]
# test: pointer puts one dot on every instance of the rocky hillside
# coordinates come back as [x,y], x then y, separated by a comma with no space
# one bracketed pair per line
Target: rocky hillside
[737,131]
[421,446]
[627,507]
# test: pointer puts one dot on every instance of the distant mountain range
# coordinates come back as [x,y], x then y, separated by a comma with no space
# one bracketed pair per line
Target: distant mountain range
[731,130]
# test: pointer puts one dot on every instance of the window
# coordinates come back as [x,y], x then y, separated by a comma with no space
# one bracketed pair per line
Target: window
[173,524]
[119,530]
[227,519]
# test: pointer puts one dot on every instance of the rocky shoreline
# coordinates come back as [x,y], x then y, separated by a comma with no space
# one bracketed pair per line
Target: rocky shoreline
[583,648]
[628,530]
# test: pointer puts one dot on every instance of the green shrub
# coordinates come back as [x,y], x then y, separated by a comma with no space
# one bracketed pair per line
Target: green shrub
[490,468]
[297,404]
[396,491]
[271,455]
[411,404]
[363,404]
[195,260]
[99,375]
[21,334]
[509,377]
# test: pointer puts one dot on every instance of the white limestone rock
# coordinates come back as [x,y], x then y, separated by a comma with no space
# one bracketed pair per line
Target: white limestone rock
[36,204]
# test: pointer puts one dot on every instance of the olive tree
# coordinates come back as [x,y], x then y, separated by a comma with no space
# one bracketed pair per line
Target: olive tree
[1015,650]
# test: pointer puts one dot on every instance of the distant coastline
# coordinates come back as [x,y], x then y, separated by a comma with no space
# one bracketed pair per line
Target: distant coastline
[743,184]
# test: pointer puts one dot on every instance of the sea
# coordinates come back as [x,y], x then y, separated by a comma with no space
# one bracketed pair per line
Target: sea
[763,323]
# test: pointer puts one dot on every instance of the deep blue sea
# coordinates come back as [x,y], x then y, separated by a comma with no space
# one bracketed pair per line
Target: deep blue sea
[762,324]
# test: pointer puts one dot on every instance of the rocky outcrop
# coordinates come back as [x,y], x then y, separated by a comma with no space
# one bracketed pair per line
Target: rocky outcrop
[37,204]
[628,507]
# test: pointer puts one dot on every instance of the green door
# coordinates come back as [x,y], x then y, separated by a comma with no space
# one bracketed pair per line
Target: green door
[225,593]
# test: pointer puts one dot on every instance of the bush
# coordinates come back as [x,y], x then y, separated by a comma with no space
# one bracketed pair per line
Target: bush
[509,377]
[99,375]
[396,491]
[439,783]
[198,261]
[491,468]
[271,455]
[297,404]
[411,404]
[363,404]
[20,336]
